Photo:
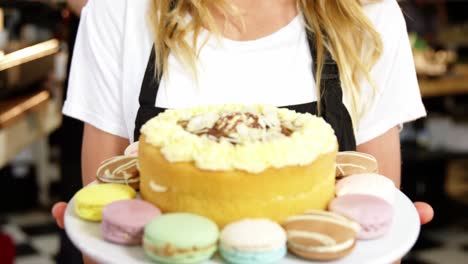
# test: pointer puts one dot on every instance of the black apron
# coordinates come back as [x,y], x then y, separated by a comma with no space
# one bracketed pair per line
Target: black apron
[332,108]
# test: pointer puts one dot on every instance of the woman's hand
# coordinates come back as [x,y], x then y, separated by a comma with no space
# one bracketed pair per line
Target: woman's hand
[425,211]
[386,149]
[58,212]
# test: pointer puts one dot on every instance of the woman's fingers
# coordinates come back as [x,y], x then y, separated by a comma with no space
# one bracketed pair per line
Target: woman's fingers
[58,212]
[425,211]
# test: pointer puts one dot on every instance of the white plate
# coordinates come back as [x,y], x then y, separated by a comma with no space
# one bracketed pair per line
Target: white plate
[395,244]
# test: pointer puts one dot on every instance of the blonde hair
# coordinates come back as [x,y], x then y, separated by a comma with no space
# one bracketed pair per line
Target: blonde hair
[340,26]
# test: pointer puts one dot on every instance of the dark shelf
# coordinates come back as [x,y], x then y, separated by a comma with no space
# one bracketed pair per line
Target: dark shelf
[411,151]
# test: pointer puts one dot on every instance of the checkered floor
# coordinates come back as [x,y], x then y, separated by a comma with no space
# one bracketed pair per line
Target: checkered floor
[35,235]
[38,241]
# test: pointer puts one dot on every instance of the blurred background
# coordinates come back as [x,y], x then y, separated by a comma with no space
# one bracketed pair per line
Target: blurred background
[40,149]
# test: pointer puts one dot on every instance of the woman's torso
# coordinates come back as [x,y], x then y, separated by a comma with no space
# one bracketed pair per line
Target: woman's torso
[115,42]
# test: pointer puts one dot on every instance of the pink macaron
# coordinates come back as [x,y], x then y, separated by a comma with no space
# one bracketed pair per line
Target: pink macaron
[123,221]
[374,214]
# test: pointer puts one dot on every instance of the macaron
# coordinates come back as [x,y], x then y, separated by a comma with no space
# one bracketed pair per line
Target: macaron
[321,235]
[121,170]
[367,183]
[132,149]
[123,221]
[90,200]
[252,241]
[374,214]
[352,162]
[180,238]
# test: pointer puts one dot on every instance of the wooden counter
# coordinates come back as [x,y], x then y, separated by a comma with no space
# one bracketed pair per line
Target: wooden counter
[455,83]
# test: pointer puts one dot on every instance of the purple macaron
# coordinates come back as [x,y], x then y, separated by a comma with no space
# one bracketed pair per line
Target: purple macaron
[374,214]
[123,221]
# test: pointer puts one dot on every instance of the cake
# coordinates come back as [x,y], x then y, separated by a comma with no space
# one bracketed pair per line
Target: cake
[232,162]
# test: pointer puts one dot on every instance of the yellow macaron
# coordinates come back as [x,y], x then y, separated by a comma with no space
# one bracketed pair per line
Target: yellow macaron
[90,200]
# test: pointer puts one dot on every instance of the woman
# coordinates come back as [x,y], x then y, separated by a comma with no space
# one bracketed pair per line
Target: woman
[130,64]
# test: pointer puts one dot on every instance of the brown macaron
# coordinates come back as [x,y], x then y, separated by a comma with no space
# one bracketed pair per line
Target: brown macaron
[120,169]
[352,162]
[321,235]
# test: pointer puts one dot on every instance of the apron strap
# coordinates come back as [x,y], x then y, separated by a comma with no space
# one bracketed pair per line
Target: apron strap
[147,99]
[332,107]
[149,91]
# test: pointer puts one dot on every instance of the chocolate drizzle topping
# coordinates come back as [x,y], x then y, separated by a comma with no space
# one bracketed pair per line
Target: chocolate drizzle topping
[286,131]
[227,124]
[230,125]
[183,123]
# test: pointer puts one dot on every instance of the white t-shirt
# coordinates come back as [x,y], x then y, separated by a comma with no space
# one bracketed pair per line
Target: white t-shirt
[114,43]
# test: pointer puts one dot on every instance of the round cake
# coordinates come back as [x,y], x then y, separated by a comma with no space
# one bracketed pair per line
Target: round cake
[233,162]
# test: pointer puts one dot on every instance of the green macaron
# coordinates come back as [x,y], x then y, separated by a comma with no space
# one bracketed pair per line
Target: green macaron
[180,238]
